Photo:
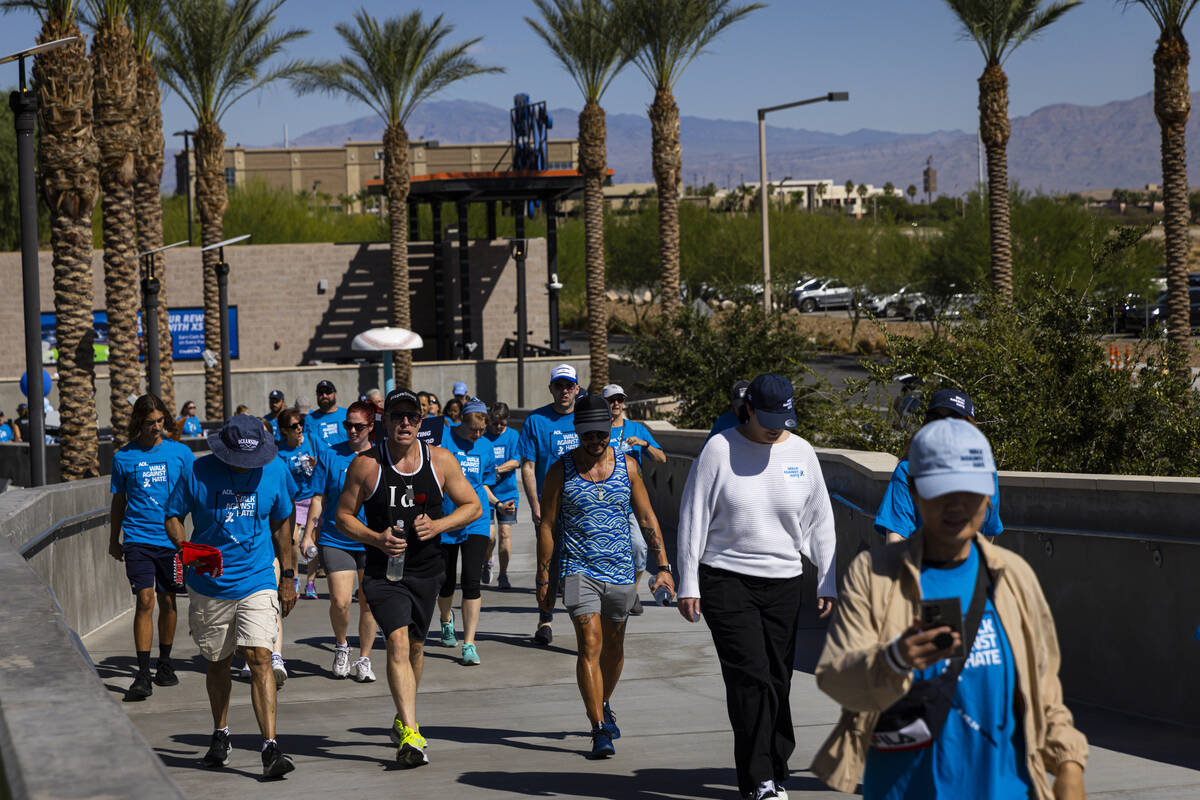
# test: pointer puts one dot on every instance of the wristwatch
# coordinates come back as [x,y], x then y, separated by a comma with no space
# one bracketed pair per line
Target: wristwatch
[663,568]
[288,573]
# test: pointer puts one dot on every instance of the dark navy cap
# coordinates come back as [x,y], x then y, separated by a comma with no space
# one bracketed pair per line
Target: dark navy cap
[953,400]
[773,399]
[242,442]
[325,387]
[275,395]
[397,396]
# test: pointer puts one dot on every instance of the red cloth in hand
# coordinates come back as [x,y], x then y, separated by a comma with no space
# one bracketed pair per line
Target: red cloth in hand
[203,558]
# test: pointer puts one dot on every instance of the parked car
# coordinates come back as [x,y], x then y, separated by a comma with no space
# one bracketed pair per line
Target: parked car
[822,293]
[1137,317]
[896,304]
[951,307]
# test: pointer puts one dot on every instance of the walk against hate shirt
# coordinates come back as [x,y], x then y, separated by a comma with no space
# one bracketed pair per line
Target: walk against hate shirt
[326,426]
[898,513]
[545,436]
[232,511]
[146,478]
[981,750]
[301,462]
[637,430]
[479,467]
[329,480]
[191,426]
[505,448]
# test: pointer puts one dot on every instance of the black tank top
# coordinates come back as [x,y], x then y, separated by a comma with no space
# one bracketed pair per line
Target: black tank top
[389,503]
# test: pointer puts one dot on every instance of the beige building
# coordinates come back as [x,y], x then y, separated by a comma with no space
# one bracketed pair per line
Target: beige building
[348,170]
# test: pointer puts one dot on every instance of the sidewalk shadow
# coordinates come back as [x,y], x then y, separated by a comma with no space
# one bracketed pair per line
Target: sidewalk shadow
[524,641]
[295,744]
[496,736]
[644,784]
[1138,736]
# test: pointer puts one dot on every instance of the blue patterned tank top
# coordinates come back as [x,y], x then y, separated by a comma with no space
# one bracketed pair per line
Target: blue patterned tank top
[594,524]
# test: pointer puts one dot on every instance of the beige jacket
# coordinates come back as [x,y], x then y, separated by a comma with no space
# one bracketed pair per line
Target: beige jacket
[880,597]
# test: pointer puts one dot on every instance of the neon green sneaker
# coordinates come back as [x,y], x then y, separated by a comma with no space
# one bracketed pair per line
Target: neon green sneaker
[411,752]
[448,637]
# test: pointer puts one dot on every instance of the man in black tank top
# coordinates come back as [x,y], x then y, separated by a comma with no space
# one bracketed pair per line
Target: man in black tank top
[402,481]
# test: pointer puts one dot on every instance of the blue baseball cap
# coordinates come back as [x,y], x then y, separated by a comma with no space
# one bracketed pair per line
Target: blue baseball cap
[459,388]
[773,399]
[951,455]
[952,400]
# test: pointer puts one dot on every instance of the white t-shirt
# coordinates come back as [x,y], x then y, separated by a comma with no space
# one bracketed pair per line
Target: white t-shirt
[755,509]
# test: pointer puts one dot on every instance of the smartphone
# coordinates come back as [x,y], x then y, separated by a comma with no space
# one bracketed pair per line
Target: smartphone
[946,611]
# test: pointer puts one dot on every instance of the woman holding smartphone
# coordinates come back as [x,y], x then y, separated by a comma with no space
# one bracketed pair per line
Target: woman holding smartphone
[945,710]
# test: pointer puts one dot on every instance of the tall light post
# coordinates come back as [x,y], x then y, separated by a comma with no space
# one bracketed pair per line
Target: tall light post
[831,97]
[187,190]
[150,289]
[23,103]
[223,310]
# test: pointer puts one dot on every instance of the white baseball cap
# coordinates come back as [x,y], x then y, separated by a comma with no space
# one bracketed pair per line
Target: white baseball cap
[565,372]
[951,455]
[612,390]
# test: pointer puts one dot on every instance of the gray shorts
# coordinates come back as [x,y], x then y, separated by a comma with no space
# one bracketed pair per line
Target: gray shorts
[336,559]
[583,594]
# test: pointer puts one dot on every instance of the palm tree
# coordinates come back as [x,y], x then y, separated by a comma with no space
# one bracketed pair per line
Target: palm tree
[393,67]
[889,189]
[585,36]
[212,54]
[999,27]
[911,191]
[114,75]
[67,157]
[145,17]
[821,194]
[664,37]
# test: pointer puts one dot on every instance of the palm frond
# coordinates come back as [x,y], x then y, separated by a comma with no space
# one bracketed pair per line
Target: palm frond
[998,27]
[394,66]
[98,14]
[55,14]
[586,36]
[666,35]
[145,18]
[1169,15]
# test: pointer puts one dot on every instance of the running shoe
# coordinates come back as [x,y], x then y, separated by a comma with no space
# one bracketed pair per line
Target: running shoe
[543,636]
[164,673]
[279,669]
[245,673]
[448,637]
[361,670]
[502,582]
[141,688]
[310,591]
[275,763]
[637,609]
[610,722]
[765,791]
[341,660]
[486,576]
[469,655]
[397,731]
[602,746]
[411,752]
[218,750]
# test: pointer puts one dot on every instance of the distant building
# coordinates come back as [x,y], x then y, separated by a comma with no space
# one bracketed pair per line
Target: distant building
[821,193]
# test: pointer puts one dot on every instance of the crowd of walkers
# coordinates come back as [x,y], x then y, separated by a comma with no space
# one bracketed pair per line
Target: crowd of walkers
[940,649]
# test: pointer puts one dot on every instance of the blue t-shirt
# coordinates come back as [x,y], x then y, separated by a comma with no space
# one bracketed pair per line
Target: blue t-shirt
[274,423]
[6,434]
[898,513]
[479,467]
[504,448]
[146,478]
[545,436]
[191,426]
[637,430]
[232,511]
[329,480]
[301,462]
[724,422]
[326,426]
[981,750]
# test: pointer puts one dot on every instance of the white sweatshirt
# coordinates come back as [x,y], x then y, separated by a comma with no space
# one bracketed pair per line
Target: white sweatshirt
[755,509]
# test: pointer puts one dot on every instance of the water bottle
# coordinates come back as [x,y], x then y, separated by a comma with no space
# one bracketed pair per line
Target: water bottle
[395,565]
[310,552]
[662,596]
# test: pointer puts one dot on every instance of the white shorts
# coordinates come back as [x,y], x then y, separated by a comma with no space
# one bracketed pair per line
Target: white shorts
[218,624]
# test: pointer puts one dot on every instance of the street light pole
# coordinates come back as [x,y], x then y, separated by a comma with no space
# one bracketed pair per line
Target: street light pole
[24,107]
[150,289]
[187,190]
[831,97]
[222,269]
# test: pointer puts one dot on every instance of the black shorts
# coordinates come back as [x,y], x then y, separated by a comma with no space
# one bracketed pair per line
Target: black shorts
[407,603]
[147,565]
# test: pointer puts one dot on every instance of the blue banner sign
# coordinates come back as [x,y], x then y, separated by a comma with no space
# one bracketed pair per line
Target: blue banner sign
[187,335]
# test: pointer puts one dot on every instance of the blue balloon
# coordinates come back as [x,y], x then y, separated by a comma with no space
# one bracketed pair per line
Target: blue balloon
[47,382]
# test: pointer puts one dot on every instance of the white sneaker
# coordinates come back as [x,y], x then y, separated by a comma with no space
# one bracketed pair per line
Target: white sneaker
[245,673]
[765,791]
[361,670]
[341,661]
[279,669]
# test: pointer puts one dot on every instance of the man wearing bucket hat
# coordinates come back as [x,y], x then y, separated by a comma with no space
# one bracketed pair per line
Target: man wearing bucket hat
[964,703]
[239,497]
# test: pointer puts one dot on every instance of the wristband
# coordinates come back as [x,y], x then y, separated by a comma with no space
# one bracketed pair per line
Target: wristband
[543,583]
[891,655]
[287,573]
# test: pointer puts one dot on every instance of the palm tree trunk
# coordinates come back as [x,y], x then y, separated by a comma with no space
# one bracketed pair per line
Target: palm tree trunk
[67,166]
[1172,106]
[995,130]
[114,70]
[592,162]
[211,201]
[147,202]
[395,179]
[667,158]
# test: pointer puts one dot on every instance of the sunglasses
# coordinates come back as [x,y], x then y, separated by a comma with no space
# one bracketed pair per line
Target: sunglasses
[356,427]
[294,427]
[405,416]
[596,436]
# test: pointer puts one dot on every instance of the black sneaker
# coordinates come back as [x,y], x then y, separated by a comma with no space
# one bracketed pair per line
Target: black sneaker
[141,688]
[218,750]
[165,675]
[275,763]
[543,636]
[637,609]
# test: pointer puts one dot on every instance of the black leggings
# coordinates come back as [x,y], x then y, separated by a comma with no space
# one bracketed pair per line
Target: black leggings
[474,553]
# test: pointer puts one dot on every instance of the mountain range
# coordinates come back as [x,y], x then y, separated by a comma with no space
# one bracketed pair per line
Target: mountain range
[1060,147]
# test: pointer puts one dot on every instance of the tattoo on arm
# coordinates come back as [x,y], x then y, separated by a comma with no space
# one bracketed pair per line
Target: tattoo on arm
[654,541]
[544,566]
[584,620]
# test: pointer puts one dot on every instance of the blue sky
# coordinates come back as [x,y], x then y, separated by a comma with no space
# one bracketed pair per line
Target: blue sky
[903,61]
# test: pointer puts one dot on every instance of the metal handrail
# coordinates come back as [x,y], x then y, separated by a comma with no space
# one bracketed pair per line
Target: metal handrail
[48,536]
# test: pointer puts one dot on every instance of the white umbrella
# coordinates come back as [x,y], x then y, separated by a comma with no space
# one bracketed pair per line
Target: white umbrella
[386,340]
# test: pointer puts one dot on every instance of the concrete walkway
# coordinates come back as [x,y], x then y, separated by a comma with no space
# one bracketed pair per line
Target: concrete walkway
[515,727]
